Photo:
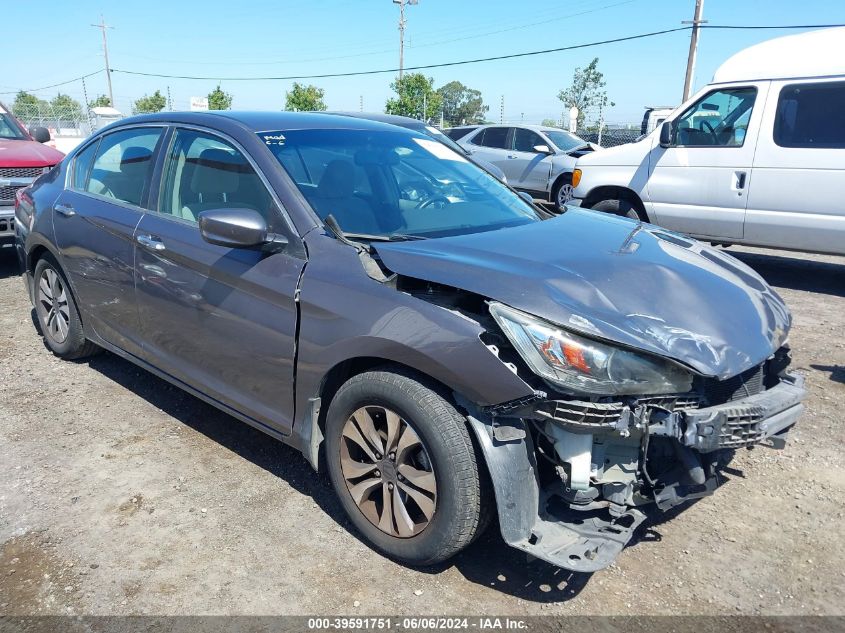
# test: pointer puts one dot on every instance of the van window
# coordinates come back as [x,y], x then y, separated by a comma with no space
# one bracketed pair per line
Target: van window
[720,118]
[810,115]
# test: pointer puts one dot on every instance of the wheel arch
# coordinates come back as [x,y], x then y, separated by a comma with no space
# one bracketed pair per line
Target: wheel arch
[614,192]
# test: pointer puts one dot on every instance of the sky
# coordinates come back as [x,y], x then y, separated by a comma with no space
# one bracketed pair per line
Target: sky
[278,38]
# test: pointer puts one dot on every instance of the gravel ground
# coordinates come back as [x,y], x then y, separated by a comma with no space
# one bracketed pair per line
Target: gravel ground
[120,494]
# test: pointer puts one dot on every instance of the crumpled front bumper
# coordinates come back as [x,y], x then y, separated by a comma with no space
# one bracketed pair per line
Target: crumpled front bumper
[588,542]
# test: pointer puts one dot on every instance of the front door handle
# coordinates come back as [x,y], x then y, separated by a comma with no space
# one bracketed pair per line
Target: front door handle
[740,180]
[512,156]
[153,243]
[64,209]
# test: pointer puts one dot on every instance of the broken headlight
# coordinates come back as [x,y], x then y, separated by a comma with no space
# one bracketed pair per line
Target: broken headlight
[583,365]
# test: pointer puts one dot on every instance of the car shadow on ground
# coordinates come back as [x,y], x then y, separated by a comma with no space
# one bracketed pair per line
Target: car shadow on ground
[8,262]
[489,561]
[796,273]
[837,372]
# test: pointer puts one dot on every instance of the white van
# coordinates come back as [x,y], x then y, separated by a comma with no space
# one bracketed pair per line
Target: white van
[756,157]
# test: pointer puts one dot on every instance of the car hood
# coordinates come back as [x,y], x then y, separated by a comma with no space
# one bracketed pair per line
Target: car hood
[614,279]
[21,153]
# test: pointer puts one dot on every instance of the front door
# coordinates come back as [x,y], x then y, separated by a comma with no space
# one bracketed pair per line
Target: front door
[221,320]
[528,168]
[699,185]
[95,219]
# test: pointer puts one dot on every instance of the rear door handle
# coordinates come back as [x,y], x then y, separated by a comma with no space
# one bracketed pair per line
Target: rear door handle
[64,209]
[512,156]
[150,242]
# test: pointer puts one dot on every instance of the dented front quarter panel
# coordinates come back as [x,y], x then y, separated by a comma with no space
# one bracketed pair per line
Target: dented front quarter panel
[614,279]
[347,315]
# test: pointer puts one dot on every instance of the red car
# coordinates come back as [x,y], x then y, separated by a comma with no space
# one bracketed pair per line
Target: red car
[22,159]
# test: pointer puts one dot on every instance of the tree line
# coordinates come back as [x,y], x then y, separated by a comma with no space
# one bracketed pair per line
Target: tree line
[415,96]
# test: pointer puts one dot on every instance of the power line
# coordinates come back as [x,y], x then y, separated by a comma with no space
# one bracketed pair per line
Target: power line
[476,60]
[62,83]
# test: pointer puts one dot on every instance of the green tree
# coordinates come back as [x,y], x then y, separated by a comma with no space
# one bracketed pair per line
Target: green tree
[27,106]
[461,105]
[219,100]
[549,123]
[100,102]
[150,103]
[415,97]
[302,98]
[587,91]
[65,107]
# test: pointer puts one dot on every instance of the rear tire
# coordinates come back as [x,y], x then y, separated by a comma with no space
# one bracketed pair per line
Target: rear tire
[620,207]
[57,313]
[441,459]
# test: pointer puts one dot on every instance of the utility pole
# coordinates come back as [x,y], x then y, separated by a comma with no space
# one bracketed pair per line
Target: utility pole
[502,110]
[103,26]
[402,23]
[693,47]
[361,103]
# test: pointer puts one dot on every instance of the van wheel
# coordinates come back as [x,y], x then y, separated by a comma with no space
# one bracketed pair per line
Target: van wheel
[562,192]
[57,314]
[402,463]
[620,207]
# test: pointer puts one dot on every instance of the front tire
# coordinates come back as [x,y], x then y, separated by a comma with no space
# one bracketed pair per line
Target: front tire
[562,192]
[620,207]
[57,313]
[402,463]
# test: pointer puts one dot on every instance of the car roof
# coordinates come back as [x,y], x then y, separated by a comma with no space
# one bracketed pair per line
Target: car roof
[526,126]
[392,119]
[260,121]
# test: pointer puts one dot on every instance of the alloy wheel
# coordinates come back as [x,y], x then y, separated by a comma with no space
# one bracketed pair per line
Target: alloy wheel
[564,194]
[387,471]
[52,296]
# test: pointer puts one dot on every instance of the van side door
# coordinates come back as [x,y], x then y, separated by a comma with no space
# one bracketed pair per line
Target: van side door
[799,169]
[699,184]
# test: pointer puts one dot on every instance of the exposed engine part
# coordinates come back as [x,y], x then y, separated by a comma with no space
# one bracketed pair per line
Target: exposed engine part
[575,450]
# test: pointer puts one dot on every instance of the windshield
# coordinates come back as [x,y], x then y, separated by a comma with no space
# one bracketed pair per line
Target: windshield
[436,134]
[564,140]
[9,128]
[395,185]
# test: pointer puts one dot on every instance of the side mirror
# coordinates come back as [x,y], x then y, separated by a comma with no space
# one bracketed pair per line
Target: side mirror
[542,149]
[666,134]
[40,134]
[236,228]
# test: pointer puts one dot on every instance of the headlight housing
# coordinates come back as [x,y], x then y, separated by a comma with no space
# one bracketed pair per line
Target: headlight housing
[583,365]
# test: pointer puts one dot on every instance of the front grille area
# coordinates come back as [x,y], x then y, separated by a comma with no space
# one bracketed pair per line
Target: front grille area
[583,414]
[746,384]
[7,195]
[21,172]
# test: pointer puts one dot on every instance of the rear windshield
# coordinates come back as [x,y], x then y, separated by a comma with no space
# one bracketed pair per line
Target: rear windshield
[387,184]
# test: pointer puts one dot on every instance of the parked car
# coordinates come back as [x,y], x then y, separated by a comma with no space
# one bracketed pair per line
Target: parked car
[538,160]
[23,158]
[756,157]
[460,131]
[654,117]
[424,128]
[444,350]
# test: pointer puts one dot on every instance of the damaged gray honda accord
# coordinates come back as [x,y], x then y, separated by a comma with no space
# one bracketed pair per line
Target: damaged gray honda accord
[445,350]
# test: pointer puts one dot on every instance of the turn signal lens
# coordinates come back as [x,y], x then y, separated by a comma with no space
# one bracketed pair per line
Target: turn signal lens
[576,177]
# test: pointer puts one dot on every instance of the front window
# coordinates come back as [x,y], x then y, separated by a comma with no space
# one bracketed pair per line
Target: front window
[564,141]
[9,128]
[382,184]
[720,118]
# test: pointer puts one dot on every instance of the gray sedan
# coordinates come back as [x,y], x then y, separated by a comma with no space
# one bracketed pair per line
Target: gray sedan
[445,350]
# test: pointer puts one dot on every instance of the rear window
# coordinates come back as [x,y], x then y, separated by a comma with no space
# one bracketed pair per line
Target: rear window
[810,115]
[492,137]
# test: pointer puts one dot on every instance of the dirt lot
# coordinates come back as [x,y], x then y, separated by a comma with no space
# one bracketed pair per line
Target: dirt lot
[119,494]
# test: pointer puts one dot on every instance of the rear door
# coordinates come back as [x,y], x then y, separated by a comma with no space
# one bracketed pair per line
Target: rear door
[527,168]
[798,200]
[95,220]
[699,185]
[219,319]
[493,145]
